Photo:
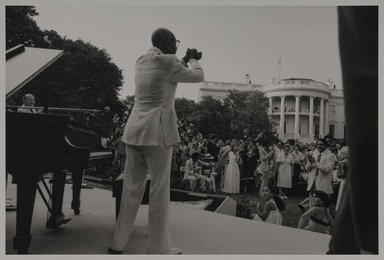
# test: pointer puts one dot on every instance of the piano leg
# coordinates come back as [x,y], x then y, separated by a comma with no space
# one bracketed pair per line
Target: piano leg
[26,193]
[117,192]
[77,179]
[57,216]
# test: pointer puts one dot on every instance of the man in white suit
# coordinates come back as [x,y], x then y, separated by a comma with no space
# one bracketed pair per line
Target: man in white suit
[320,168]
[149,134]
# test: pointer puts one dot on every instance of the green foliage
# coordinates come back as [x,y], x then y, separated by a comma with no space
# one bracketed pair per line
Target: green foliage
[184,108]
[242,112]
[248,112]
[210,116]
[84,77]
[21,28]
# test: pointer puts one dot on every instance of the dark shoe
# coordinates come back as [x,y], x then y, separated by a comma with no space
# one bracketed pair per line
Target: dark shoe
[173,251]
[114,252]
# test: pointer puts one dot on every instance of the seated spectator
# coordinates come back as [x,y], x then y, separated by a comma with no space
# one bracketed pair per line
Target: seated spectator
[268,210]
[210,170]
[318,216]
[193,171]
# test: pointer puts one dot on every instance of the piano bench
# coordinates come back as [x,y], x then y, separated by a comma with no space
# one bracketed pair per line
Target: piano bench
[117,190]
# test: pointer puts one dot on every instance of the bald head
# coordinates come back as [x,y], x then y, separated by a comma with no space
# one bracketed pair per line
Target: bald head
[165,40]
[29,100]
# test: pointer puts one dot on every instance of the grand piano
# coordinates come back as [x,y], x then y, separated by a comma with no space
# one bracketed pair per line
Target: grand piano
[38,144]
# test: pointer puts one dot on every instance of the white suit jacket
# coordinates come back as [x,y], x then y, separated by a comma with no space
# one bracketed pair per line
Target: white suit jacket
[153,117]
[323,180]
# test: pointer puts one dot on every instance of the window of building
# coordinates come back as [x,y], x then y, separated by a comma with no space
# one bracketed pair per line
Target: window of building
[332,130]
[317,129]
[332,110]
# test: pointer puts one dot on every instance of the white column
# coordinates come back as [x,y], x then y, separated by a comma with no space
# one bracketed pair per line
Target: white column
[270,106]
[297,120]
[311,133]
[321,132]
[326,115]
[282,113]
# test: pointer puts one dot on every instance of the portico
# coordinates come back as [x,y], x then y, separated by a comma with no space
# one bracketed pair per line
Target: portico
[299,108]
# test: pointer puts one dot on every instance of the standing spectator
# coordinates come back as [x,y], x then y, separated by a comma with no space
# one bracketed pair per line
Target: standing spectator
[315,139]
[220,166]
[250,157]
[278,151]
[320,171]
[232,175]
[320,167]
[312,149]
[183,149]
[175,168]
[212,148]
[201,143]
[115,122]
[149,134]
[342,171]
[266,156]
[223,153]
[241,146]
[318,216]
[284,168]
[298,165]
[269,211]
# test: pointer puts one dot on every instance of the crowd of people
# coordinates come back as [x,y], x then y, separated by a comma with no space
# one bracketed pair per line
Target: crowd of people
[271,170]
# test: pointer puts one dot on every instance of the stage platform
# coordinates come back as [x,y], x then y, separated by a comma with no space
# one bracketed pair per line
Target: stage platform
[194,231]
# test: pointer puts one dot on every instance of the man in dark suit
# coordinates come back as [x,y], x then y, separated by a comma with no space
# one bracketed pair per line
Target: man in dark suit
[356,227]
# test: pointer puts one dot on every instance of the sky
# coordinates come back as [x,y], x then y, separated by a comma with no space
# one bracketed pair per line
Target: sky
[235,39]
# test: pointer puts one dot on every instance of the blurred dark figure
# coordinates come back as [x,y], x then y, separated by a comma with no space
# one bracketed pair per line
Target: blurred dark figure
[355,230]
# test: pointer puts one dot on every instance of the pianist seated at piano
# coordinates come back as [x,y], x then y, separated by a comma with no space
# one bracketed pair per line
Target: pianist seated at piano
[28,104]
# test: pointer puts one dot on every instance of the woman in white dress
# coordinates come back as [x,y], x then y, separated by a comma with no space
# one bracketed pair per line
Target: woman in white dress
[269,211]
[232,175]
[284,166]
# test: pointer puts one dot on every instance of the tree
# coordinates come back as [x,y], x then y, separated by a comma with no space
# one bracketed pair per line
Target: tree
[248,113]
[210,116]
[84,77]
[184,108]
[21,28]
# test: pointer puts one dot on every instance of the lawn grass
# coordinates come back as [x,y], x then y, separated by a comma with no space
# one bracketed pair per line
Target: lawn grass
[291,214]
[245,202]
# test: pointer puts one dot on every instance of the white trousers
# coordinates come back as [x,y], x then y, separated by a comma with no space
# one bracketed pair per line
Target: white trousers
[140,160]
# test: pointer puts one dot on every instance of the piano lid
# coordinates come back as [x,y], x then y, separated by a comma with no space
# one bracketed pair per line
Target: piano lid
[25,63]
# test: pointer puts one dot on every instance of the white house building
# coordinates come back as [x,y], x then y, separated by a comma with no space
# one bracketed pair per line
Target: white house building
[302,108]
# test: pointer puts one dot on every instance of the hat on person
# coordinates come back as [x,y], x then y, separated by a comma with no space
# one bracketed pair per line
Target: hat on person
[208,156]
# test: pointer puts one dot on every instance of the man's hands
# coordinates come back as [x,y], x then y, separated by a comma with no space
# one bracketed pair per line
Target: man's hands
[192,54]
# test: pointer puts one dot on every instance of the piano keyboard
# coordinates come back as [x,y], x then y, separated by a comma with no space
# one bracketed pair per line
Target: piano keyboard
[100,153]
